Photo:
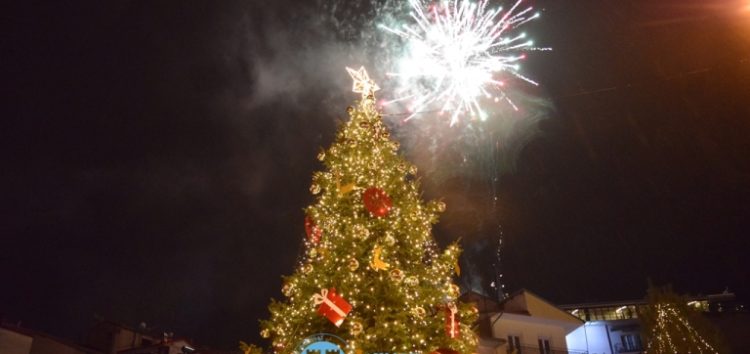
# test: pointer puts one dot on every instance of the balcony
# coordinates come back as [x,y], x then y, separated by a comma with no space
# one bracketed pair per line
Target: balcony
[621,349]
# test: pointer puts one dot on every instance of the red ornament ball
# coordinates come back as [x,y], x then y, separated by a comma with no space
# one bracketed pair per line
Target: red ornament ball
[313,231]
[377,201]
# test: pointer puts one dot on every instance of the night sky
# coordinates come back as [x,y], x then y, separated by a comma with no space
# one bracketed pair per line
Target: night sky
[157,156]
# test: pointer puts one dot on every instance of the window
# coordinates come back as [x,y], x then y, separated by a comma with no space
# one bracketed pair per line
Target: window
[514,344]
[631,342]
[544,346]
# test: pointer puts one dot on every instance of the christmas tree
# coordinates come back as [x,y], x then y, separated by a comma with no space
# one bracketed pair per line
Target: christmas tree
[371,272]
[671,326]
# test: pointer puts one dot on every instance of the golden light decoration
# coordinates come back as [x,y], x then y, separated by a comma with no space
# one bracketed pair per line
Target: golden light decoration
[389,240]
[362,82]
[377,263]
[355,328]
[419,312]
[287,289]
[397,275]
[345,188]
[361,255]
[353,264]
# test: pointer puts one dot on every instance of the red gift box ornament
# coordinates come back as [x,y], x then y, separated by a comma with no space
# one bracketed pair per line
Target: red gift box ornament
[312,230]
[332,306]
[451,320]
[377,201]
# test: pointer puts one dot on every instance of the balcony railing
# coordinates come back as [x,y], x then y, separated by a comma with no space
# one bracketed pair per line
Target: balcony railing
[619,348]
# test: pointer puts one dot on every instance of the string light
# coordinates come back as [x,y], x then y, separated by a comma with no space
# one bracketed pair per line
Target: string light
[669,321]
[363,155]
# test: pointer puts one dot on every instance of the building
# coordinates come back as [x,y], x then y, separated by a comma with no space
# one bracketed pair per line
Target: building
[609,328]
[15,339]
[105,337]
[613,327]
[116,338]
[523,323]
[526,323]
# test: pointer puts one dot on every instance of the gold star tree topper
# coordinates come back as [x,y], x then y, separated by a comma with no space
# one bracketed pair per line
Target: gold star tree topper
[362,82]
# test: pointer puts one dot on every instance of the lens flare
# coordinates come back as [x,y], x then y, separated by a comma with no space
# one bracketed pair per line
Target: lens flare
[458,55]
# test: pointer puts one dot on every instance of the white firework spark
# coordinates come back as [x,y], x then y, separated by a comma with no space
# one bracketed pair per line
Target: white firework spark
[458,52]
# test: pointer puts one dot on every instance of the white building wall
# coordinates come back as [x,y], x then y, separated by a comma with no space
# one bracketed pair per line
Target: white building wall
[529,330]
[595,337]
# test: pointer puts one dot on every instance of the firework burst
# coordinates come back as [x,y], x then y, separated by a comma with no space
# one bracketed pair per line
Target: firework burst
[460,53]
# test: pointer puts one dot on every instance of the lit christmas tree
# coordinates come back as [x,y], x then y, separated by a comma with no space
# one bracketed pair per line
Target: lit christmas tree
[371,273]
[670,326]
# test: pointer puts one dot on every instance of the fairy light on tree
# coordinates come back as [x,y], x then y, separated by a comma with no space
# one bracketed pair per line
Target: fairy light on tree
[459,53]
[371,273]
[671,327]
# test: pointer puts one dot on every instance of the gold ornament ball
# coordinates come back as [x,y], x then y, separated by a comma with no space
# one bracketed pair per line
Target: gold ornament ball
[411,281]
[419,312]
[397,275]
[454,290]
[313,252]
[287,289]
[360,231]
[356,328]
[389,240]
[413,170]
[314,188]
[353,264]
[402,167]
[265,333]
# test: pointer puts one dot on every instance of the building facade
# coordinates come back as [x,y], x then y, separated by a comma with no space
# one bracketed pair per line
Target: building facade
[613,327]
[15,339]
[524,323]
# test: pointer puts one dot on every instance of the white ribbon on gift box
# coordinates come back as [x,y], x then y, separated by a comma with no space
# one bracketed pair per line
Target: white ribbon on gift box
[453,309]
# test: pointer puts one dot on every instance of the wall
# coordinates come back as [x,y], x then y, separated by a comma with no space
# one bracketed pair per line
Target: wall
[42,345]
[593,336]
[529,330]
[14,343]
[540,308]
